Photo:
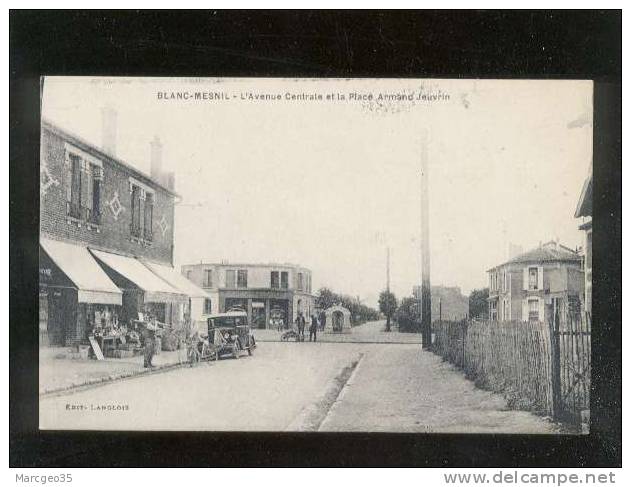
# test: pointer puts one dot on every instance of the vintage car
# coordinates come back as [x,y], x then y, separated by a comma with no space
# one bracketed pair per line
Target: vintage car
[230,333]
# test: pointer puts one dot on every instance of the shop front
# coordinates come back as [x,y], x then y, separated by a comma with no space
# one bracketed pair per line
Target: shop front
[196,295]
[145,294]
[75,294]
[266,308]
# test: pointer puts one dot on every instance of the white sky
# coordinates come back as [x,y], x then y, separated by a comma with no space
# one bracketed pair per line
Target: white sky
[329,184]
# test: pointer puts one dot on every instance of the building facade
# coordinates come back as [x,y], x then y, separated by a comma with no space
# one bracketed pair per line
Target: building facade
[584,211]
[528,286]
[448,302]
[102,223]
[268,292]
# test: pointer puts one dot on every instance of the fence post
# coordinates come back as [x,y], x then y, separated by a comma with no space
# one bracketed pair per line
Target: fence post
[555,358]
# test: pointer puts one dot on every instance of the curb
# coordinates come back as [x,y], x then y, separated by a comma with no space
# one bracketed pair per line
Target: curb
[310,418]
[92,383]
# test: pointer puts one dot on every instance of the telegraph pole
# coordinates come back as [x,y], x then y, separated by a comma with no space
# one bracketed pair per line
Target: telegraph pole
[388,269]
[426,292]
[388,284]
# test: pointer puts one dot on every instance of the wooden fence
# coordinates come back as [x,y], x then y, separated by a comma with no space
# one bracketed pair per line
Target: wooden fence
[539,367]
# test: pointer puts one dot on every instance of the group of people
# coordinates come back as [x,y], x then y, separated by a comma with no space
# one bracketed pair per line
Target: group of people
[314,326]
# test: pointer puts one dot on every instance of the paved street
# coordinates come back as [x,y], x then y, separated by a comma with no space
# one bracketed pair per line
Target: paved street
[300,387]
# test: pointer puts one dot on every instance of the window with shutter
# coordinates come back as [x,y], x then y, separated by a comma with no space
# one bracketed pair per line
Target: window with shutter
[230,279]
[135,211]
[284,280]
[148,226]
[74,209]
[533,278]
[274,282]
[208,278]
[97,177]
[242,278]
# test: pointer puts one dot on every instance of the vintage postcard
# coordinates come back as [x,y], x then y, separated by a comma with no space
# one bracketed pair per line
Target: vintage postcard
[336,255]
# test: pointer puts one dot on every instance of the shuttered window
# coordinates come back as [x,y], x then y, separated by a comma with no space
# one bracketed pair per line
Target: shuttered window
[284,280]
[148,224]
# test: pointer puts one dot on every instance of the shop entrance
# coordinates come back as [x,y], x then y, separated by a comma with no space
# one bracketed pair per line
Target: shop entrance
[279,314]
[258,314]
[338,321]
[61,315]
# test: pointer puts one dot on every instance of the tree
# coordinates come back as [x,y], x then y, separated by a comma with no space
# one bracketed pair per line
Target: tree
[478,303]
[408,316]
[325,298]
[360,313]
[388,306]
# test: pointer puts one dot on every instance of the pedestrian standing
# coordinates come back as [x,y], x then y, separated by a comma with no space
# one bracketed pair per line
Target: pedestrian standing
[313,329]
[300,321]
[149,336]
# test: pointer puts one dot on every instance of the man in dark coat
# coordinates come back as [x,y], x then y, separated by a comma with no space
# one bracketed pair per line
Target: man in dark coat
[301,327]
[149,335]
[313,329]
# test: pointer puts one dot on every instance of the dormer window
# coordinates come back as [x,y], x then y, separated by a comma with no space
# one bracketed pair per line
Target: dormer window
[533,278]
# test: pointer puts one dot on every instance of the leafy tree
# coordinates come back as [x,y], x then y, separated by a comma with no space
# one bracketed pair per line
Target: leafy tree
[478,304]
[325,298]
[388,306]
[408,316]
[360,313]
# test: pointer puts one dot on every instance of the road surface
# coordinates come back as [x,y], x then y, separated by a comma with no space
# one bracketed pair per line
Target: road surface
[297,387]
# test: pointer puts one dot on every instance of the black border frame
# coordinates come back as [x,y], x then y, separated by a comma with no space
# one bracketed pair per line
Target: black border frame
[448,44]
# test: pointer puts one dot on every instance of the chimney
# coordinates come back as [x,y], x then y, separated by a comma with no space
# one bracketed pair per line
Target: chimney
[108,130]
[170,180]
[156,159]
[514,250]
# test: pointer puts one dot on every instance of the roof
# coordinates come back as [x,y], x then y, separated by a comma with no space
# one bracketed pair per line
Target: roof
[548,252]
[242,265]
[89,147]
[135,271]
[93,284]
[177,280]
[584,206]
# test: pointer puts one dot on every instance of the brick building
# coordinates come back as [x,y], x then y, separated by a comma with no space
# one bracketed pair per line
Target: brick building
[268,292]
[103,224]
[526,287]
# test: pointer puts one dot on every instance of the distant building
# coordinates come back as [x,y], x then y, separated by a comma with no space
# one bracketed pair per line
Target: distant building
[584,211]
[448,302]
[525,287]
[268,292]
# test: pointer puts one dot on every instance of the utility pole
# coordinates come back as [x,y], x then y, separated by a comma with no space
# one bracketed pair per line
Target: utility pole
[426,290]
[388,285]
[388,269]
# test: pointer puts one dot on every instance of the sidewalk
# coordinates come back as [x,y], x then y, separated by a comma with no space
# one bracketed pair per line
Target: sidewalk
[405,389]
[371,332]
[58,374]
